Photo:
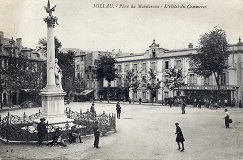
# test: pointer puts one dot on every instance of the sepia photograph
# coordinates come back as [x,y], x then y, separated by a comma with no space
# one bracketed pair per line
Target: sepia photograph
[121,79]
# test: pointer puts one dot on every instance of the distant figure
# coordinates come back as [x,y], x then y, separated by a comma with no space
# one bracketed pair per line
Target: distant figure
[179,137]
[226,118]
[92,110]
[58,74]
[233,102]
[170,101]
[240,104]
[42,131]
[74,134]
[96,134]
[118,110]
[183,107]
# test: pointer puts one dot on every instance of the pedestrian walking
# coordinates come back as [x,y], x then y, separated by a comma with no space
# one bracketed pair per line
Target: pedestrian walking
[226,118]
[96,134]
[118,110]
[42,131]
[183,107]
[179,137]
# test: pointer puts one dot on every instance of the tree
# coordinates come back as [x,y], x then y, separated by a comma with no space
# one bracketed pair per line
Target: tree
[131,82]
[153,84]
[21,73]
[176,79]
[42,45]
[212,55]
[67,64]
[106,69]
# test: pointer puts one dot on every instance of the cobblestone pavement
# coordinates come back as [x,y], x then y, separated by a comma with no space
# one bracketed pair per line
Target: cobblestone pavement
[147,132]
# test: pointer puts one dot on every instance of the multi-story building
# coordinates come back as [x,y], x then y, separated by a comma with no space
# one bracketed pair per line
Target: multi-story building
[161,59]
[10,48]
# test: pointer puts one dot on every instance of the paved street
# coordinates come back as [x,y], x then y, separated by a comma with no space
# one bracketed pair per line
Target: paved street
[147,132]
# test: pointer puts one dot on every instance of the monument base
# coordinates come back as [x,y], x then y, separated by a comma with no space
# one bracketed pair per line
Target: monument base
[53,109]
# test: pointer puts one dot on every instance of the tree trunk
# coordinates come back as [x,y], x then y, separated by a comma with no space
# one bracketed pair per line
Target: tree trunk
[216,75]
[133,97]
[108,92]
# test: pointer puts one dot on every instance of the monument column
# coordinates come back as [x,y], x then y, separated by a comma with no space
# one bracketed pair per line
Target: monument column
[53,108]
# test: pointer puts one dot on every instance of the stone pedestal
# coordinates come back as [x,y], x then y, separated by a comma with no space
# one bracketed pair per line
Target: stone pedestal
[53,109]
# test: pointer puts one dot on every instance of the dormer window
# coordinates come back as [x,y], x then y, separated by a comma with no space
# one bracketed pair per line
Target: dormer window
[153,53]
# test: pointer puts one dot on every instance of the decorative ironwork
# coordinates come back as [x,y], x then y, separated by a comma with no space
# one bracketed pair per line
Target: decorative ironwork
[21,128]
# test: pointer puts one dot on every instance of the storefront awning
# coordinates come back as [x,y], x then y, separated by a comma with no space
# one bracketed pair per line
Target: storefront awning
[85,92]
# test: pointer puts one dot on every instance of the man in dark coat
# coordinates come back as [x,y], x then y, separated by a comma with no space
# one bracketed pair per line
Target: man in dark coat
[118,110]
[226,119]
[42,131]
[96,134]
[179,137]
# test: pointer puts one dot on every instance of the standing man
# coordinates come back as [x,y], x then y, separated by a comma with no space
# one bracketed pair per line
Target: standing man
[226,119]
[92,110]
[42,131]
[118,110]
[179,137]
[96,134]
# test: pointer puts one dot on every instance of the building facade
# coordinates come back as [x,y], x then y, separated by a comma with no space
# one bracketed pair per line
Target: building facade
[10,48]
[161,59]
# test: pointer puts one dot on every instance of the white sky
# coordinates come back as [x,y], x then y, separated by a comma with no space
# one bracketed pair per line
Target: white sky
[131,30]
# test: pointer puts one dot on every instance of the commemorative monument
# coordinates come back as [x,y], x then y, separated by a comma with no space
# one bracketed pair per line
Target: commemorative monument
[53,94]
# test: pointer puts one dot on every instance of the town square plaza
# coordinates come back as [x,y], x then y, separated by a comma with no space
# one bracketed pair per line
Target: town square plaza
[145,131]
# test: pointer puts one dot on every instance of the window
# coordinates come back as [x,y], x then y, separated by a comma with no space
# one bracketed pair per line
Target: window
[178,64]
[206,80]
[153,53]
[222,79]
[127,67]
[144,67]
[166,94]
[166,64]
[153,66]
[136,94]
[119,80]
[77,67]
[87,76]
[82,58]
[166,77]
[119,68]
[135,67]
[144,95]
[78,75]
[192,79]
[144,79]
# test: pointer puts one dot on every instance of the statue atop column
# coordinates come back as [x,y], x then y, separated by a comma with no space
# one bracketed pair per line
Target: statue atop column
[58,74]
[50,20]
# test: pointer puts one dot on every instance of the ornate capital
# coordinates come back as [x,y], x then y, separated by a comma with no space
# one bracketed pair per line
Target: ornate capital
[51,21]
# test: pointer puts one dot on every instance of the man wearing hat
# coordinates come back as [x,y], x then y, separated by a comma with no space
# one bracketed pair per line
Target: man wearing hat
[42,131]
[179,137]
[96,134]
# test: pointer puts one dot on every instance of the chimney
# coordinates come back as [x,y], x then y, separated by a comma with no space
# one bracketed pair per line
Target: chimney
[190,45]
[1,37]
[19,43]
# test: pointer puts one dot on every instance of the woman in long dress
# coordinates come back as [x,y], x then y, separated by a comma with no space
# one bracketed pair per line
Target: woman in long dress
[179,137]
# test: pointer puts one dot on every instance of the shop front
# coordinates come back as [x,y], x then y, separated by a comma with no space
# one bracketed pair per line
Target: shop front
[209,93]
